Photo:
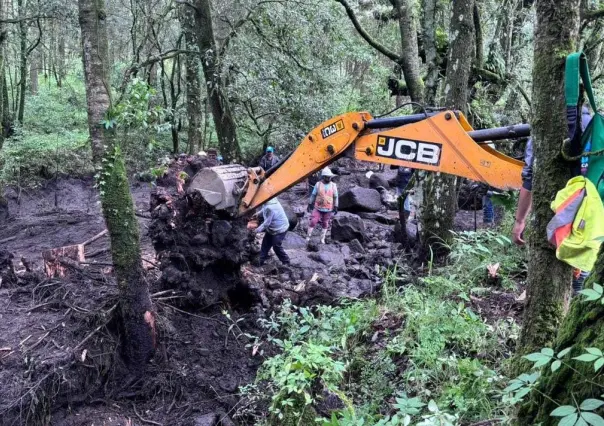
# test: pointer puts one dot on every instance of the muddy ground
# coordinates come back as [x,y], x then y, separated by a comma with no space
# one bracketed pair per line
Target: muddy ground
[60,358]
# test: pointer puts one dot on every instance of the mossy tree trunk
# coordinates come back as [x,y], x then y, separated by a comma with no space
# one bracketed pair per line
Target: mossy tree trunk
[409,60]
[548,285]
[193,86]
[118,209]
[22,61]
[219,103]
[440,195]
[582,328]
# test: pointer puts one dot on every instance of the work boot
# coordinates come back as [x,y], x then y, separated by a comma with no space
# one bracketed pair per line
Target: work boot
[309,234]
[323,234]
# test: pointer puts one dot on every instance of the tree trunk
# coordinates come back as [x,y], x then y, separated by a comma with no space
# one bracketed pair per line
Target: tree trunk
[60,59]
[479,37]
[33,74]
[22,61]
[2,81]
[219,104]
[582,328]
[440,196]
[429,41]
[549,279]
[118,209]
[409,60]
[193,87]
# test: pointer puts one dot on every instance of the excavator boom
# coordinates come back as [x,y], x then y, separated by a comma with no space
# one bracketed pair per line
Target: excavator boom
[438,142]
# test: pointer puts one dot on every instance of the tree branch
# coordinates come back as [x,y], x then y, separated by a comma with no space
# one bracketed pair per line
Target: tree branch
[233,33]
[24,18]
[37,42]
[373,43]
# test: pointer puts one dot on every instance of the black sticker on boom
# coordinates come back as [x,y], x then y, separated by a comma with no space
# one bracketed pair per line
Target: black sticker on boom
[409,150]
[332,129]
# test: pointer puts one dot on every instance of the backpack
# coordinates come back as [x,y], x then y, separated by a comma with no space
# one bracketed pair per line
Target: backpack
[592,140]
[577,228]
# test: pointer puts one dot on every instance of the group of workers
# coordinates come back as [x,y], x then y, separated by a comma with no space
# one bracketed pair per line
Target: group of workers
[322,206]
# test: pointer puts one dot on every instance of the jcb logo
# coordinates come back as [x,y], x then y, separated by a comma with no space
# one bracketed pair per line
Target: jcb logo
[332,128]
[408,150]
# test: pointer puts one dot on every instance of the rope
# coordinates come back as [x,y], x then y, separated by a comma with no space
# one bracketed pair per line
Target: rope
[568,157]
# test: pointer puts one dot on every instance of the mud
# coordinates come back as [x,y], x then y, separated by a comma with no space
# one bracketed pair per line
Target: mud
[63,213]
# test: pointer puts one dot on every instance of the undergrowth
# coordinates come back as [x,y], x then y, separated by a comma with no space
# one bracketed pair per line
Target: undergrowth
[421,354]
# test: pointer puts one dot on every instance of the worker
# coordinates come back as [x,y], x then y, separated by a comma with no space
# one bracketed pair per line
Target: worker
[403,176]
[323,203]
[274,226]
[269,159]
[525,200]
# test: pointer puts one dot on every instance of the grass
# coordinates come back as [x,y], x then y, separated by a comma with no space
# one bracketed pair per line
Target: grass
[422,345]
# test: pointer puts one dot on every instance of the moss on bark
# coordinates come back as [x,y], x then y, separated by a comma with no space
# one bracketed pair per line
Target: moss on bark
[575,381]
[549,279]
[119,213]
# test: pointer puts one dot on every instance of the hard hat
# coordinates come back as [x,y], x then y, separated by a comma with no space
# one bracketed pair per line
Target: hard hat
[270,149]
[327,172]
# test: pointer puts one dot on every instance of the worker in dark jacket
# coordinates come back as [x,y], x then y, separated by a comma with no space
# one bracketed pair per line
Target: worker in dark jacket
[275,228]
[269,159]
[403,176]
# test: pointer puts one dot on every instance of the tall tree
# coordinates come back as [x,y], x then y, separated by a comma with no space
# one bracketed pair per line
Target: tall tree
[22,60]
[193,87]
[440,196]
[136,309]
[219,103]
[549,279]
[408,59]
[429,41]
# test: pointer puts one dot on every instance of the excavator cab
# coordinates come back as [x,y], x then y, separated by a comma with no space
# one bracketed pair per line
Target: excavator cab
[442,142]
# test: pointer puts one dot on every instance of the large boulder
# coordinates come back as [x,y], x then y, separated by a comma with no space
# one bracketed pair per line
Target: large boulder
[361,200]
[292,217]
[346,227]
[378,179]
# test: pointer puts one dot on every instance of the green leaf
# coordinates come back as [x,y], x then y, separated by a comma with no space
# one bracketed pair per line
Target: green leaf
[304,329]
[563,410]
[593,419]
[581,422]
[590,295]
[564,352]
[598,288]
[432,407]
[595,351]
[513,386]
[598,364]
[547,351]
[556,365]
[534,357]
[569,420]
[591,404]
[522,393]
[586,357]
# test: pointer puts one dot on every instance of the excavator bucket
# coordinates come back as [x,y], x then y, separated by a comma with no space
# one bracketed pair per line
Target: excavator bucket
[220,186]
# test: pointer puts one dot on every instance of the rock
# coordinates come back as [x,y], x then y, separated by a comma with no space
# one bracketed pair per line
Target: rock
[292,217]
[378,179]
[210,419]
[361,200]
[347,227]
[200,239]
[294,241]
[356,246]
[220,232]
[329,256]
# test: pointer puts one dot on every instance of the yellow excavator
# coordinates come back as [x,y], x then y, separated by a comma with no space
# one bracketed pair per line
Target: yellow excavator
[434,141]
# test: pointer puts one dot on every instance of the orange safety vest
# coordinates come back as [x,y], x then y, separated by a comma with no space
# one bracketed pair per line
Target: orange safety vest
[324,199]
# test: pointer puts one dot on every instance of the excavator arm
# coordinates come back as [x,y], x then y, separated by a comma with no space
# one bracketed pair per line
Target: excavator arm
[442,142]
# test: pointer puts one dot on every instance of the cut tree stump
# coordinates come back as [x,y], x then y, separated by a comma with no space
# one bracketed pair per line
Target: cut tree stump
[53,265]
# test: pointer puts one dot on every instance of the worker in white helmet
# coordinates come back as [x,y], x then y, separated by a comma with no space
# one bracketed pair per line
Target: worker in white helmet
[323,203]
